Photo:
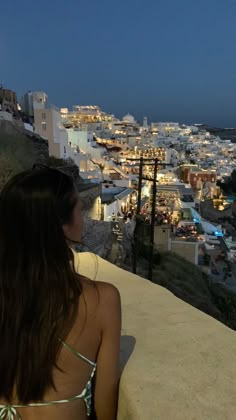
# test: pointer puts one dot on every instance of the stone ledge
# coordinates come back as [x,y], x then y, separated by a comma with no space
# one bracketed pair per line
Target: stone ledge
[178,363]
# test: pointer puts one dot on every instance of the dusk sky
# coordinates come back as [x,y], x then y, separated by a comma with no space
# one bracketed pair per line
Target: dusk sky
[169,60]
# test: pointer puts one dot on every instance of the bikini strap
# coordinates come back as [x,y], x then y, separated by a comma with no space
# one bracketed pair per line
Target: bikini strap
[76,353]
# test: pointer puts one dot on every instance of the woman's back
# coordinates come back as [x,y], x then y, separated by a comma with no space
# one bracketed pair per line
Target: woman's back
[56,329]
[94,336]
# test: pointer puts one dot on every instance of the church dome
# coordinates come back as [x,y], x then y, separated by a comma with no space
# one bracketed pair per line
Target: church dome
[129,119]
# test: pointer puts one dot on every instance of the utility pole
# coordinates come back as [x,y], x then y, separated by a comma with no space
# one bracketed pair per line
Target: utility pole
[156,163]
[140,185]
[154,194]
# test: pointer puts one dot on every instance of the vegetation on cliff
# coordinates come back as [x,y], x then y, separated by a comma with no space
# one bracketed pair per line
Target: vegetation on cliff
[187,282]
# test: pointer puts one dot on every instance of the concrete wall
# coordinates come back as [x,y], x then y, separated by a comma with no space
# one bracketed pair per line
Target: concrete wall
[94,211]
[32,101]
[40,117]
[178,363]
[109,209]
[48,125]
[187,250]
[162,237]
[122,182]
[83,140]
[77,137]
[196,178]
[91,201]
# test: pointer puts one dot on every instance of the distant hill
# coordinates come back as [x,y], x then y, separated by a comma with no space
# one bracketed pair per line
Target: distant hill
[223,133]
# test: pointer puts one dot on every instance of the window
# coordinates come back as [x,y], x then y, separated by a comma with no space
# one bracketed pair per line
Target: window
[43,116]
[44,126]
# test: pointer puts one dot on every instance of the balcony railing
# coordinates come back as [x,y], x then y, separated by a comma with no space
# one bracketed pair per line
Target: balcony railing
[177,363]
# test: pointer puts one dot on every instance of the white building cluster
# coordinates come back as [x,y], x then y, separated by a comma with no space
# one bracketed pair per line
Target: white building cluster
[108,150]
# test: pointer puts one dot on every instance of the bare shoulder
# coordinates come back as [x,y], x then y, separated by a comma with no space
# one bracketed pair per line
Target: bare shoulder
[108,291]
[106,294]
[109,305]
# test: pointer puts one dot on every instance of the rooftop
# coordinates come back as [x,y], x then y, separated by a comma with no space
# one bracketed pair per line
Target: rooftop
[115,193]
[181,188]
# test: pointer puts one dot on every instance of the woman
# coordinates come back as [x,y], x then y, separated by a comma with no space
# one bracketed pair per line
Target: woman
[59,332]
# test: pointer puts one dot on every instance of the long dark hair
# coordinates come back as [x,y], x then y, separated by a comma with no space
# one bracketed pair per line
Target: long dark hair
[39,288]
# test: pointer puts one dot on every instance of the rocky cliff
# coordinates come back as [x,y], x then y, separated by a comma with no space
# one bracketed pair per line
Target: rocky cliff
[20,149]
[226,217]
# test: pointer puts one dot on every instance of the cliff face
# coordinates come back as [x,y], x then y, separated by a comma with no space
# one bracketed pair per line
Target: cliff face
[190,284]
[19,150]
[226,217]
[187,282]
[16,152]
[184,280]
[209,212]
[13,133]
[225,300]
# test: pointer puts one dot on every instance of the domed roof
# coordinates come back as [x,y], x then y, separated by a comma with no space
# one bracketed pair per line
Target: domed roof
[129,119]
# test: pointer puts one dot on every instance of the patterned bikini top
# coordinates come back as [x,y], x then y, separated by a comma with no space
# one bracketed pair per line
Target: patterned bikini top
[9,412]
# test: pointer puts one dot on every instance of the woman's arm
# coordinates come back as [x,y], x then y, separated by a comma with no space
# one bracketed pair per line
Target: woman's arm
[108,370]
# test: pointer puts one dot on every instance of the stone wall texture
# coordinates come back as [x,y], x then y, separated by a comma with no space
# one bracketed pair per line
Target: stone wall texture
[97,236]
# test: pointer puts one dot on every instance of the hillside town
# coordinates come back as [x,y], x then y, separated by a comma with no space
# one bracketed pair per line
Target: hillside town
[191,216]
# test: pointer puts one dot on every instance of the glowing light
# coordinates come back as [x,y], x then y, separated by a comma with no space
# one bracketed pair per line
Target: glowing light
[218,234]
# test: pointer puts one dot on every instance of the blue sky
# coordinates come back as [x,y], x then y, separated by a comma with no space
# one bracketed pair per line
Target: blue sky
[167,59]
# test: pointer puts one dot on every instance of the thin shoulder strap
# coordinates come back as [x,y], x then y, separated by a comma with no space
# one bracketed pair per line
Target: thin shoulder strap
[76,353]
